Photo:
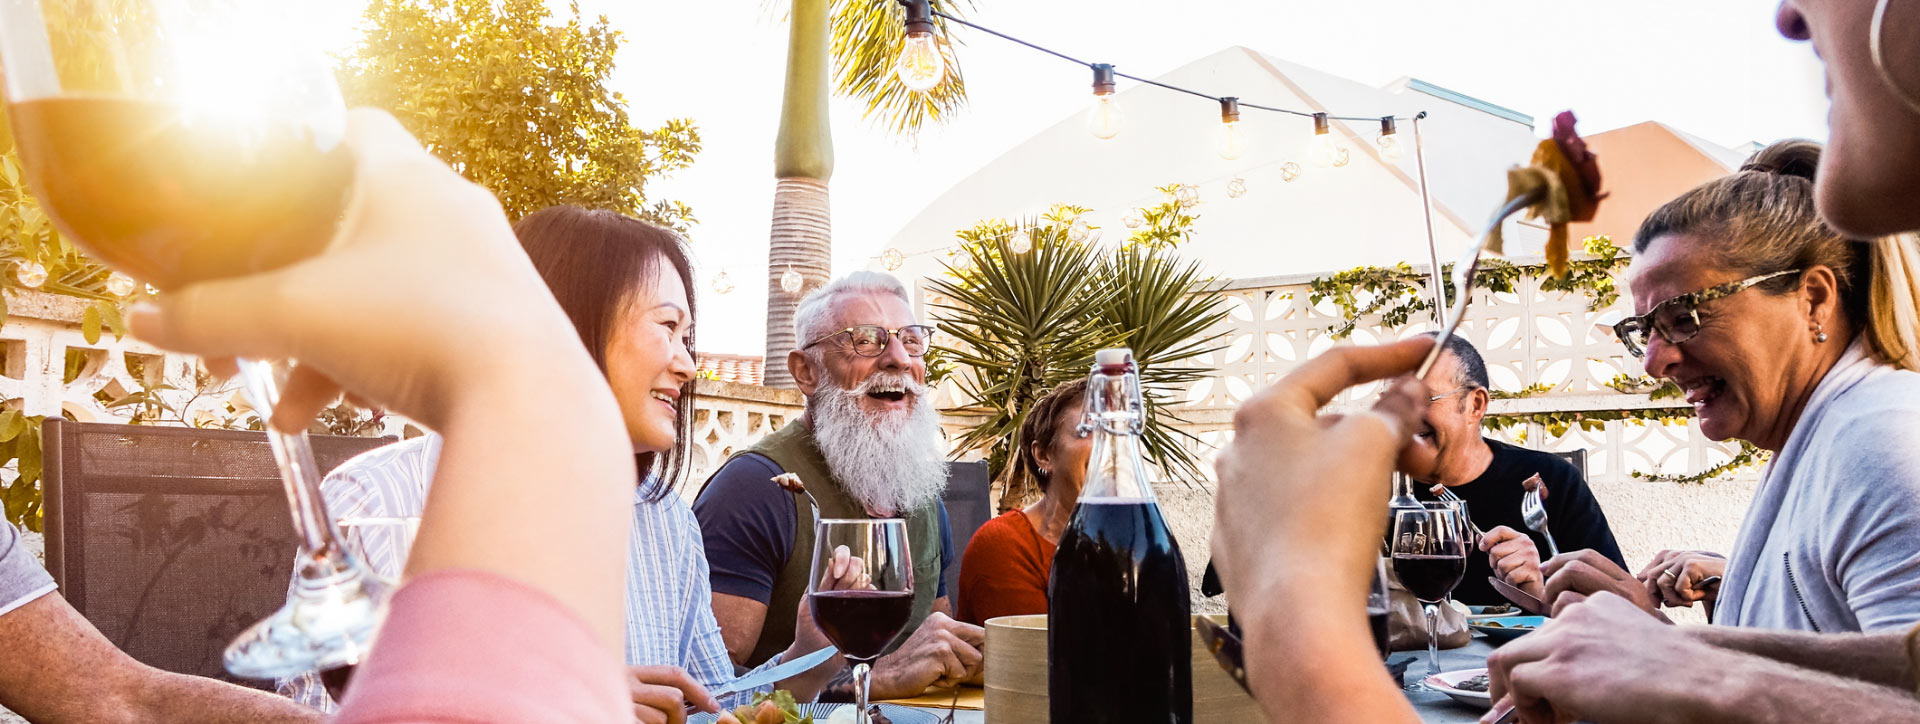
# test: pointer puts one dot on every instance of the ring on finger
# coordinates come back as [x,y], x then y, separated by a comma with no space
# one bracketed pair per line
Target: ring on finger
[1668,575]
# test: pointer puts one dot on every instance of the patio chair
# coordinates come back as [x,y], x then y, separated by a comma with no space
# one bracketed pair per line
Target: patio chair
[172,540]
[969,506]
[1578,458]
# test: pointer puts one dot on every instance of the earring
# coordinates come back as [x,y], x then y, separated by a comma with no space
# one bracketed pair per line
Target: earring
[1874,31]
[1819,334]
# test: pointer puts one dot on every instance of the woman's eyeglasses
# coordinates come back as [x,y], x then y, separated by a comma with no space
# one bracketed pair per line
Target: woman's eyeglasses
[1677,320]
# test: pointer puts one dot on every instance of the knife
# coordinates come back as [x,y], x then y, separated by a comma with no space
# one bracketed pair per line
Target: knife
[785,670]
[1522,598]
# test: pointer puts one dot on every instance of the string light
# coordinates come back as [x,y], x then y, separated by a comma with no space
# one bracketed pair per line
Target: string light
[1390,148]
[1133,219]
[892,259]
[920,66]
[1021,243]
[1188,195]
[1341,157]
[1104,120]
[152,290]
[1321,150]
[119,285]
[30,273]
[1236,188]
[791,281]
[722,283]
[1230,143]
[1078,232]
[1289,171]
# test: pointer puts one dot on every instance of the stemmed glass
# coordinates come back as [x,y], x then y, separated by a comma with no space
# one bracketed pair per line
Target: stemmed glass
[1429,547]
[1379,604]
[861,591]
[187,140]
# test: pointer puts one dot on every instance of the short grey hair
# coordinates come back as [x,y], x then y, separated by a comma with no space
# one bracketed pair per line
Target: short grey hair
[815,315]
[1472,370]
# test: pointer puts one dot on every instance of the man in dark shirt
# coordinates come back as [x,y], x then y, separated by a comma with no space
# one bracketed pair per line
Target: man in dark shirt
[868,446]
[1449,450]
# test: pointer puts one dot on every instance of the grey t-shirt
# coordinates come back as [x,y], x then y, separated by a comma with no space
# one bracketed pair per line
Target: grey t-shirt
[22,578]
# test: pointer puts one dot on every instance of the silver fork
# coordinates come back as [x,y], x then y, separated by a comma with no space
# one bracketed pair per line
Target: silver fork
[1535,513]
[1445,493]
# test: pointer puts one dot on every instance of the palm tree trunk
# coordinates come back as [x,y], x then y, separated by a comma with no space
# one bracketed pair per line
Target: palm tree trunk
[802,235]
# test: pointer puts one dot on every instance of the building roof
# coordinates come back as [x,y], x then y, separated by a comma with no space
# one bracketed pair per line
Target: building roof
[740,368]
[1646,165]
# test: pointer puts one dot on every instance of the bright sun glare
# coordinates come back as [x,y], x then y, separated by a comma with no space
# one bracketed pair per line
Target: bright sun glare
[248,63]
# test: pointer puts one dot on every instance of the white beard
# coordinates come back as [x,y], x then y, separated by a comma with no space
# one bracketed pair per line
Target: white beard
[894,462]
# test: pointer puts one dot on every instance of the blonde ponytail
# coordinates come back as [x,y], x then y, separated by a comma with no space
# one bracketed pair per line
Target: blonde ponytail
[1892,324]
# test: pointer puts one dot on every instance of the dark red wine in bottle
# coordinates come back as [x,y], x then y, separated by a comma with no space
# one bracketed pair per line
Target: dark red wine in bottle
[1119,618]
[1377,620]
[862,622]
[170,196]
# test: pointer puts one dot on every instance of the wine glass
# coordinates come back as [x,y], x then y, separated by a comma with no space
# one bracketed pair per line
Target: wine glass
[1429,547]
[863,606]
[187,140]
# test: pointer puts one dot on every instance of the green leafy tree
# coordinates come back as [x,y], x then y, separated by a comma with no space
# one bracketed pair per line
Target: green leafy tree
[517,104]
[1023,322]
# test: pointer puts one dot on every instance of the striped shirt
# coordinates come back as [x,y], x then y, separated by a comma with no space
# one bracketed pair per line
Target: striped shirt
[669,600]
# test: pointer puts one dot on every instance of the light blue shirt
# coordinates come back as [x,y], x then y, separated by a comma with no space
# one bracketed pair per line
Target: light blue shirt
[669,600]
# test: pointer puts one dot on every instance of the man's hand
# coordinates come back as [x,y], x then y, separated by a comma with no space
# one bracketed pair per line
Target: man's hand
[661,694]
[1675,578]
[942,652]
[1605,660]
[1576,576]
[1515,559]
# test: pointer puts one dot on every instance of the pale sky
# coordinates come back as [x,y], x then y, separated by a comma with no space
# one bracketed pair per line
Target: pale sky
[1716,68]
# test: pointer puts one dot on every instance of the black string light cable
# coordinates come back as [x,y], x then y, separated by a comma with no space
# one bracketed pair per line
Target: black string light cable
[1148,81]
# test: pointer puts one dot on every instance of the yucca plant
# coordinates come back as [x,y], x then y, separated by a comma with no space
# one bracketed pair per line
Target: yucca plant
[1016,324]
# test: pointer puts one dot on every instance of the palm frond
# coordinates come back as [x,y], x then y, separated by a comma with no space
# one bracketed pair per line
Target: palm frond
[866,39]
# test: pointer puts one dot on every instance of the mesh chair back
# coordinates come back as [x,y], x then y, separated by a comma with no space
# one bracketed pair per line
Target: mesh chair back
[172,540]
[969,506]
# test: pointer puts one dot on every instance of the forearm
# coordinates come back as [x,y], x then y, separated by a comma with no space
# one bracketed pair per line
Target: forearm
[1769,692]
[170,697]
[505,450]
[1325,670]
[1873,658]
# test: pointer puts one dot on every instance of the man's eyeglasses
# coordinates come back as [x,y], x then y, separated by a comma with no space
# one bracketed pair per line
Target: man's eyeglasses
[1677,320]
[1452,392]
[870,340]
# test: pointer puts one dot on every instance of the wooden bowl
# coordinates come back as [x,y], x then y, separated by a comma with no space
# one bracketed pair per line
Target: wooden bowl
[1017,676]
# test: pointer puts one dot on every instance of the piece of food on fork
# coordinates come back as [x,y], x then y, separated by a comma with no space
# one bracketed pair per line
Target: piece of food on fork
[1566,175]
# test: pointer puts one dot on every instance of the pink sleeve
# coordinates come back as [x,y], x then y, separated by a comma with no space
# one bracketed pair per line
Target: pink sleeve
[472,647]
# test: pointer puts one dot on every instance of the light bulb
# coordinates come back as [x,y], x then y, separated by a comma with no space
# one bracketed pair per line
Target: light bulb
[892,258]
[1078,232]
[152,290]
[119,285]
[30,274]
[722,283]
[920,66]
[1021,243]
[1236,188]
[1133,219]
[1321,150]
[791,281]
[1390,148]
[1103,119]
[1289,171]
[1340,156]
[1231,141]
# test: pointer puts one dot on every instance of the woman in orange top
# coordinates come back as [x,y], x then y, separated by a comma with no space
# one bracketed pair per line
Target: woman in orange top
[1005,568]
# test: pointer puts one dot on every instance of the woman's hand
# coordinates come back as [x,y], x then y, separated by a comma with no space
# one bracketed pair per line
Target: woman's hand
[424,263]
[1679,578]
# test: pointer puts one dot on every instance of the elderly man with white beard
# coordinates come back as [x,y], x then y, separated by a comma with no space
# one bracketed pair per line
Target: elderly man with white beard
[868,446]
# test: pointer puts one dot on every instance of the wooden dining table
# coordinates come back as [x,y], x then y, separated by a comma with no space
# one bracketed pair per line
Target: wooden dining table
[1433,707]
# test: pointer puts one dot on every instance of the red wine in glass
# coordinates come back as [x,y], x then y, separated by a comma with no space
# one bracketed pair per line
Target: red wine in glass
[1428,577]
[861,623]
[1377,622]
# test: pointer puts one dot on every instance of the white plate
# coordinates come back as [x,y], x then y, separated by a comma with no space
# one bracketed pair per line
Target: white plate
[1511,611]
[898,714]
[1445,681]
